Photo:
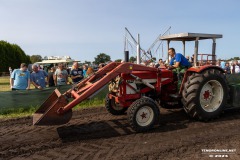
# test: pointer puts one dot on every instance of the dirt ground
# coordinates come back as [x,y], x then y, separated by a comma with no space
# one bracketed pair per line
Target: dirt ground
[95,134]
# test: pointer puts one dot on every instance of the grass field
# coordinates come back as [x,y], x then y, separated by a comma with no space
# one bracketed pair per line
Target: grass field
[18,111]
[5,84]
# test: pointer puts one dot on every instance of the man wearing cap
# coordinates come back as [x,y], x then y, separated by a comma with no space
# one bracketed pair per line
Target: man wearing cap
[20,78]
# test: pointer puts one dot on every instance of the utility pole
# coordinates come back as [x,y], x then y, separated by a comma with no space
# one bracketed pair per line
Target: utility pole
[138,50]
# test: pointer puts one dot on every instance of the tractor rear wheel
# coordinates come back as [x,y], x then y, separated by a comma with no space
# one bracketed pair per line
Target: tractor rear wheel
[113,107]
[143,114]
[205,94]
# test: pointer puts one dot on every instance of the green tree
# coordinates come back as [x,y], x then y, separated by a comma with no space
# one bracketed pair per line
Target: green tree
[118,60]
[87,62]
[11,56]
[153,59]
[132,59]
[35,58]
[102,58]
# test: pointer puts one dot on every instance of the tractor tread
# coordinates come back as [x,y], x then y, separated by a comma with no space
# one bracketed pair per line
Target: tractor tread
[191,90]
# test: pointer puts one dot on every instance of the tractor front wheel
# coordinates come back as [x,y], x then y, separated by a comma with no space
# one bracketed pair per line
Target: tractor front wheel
[205,94]
[113,107]
[143,114]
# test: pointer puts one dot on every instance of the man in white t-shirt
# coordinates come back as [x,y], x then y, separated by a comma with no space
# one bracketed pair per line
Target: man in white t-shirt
[60,76]
[235,68]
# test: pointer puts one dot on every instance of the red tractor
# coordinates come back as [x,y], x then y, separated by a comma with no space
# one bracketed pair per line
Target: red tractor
[141,90]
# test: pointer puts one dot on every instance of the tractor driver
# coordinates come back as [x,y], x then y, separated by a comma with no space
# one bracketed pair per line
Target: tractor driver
[178,63]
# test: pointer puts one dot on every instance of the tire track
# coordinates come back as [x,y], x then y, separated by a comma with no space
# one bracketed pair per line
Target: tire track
[93,135]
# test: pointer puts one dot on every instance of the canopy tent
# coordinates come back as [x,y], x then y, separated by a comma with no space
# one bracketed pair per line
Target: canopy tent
[56,61]
[190,36]
[193,37]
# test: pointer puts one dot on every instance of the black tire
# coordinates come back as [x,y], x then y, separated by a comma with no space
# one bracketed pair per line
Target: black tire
[113,108]
[205,94]
[152,110]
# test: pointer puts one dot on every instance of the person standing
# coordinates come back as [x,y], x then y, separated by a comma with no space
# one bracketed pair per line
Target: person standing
[85,67]
[76,73]
[227,68]
[60,76]
[235,68]
[38,77]
[90,72]
[20,78]
[10,70]
[159,64]
[50,77]
[222,64]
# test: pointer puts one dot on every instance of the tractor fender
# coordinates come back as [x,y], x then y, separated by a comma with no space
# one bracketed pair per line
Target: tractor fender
[203,68]
[198,69]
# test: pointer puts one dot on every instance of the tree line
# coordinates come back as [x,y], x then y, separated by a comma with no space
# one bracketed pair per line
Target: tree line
[11,55]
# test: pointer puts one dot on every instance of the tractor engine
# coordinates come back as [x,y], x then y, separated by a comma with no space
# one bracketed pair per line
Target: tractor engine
[126,88]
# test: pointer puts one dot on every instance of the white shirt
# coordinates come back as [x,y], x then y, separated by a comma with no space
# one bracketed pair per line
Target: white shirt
[237,69]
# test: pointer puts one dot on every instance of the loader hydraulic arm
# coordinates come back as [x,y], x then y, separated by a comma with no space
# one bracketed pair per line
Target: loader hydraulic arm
[57,110]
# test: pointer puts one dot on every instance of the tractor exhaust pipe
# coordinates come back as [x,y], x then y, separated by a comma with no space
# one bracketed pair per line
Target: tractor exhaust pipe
[126,56]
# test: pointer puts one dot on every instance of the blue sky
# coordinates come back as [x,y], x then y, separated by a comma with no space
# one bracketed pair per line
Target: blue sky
[84,28]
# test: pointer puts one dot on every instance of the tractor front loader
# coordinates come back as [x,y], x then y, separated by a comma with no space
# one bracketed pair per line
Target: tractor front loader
[57,109]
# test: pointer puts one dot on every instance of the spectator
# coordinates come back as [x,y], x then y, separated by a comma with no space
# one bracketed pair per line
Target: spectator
[152,64]
[10,70]
[85,67]
[76,73]
[38,77]
[192,59]
[20,78]
[235,68]
[101,65]
[227,69]
[223,64]
[50,77]
[160,62]
[218,63]
[90,72]
[60,76]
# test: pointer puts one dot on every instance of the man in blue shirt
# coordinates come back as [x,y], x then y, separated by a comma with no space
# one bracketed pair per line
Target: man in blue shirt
[178,64]
[223,64]
[20,78]
[38,77]
[178,60]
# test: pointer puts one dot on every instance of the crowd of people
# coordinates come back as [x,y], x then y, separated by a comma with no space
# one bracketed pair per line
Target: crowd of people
[229,68]
[22,78]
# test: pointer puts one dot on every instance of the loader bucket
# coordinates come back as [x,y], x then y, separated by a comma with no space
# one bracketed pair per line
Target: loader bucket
[47,113]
